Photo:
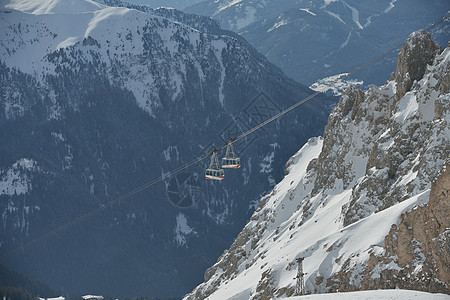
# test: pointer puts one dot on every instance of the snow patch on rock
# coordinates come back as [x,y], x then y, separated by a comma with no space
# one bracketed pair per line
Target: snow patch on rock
[182,229]
[16,180]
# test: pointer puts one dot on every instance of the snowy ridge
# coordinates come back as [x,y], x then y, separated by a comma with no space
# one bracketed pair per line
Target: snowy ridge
[308,11]
[53,6]
[227,5]
[300,26]
[342,193]
[56,26]
[240,13]
[375,295]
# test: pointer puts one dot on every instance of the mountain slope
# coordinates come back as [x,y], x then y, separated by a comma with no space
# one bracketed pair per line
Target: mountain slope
[374,295]
[381,150]
[98,100]
[12,282]
[310,40]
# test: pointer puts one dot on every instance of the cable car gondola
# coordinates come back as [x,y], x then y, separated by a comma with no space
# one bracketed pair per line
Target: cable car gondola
[231,161]
[214,171]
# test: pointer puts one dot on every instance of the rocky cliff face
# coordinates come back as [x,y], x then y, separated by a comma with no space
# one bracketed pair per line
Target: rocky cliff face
[354,204]
[419,245]
[413,60]
[395,142]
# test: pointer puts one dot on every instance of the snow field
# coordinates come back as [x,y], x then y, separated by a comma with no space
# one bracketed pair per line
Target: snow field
[376,295]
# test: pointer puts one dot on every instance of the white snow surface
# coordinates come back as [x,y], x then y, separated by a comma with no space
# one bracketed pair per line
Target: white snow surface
[391,6]
[313,239]
[355,15]
[337,16]
[227,4]
[246,13]
[17,180]
[90,297]
[375,295]
[52,6]
[299,219]
[308,11]
[238,14]
[278,24]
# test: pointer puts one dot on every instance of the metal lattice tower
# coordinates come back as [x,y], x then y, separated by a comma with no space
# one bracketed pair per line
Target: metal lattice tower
[300,286]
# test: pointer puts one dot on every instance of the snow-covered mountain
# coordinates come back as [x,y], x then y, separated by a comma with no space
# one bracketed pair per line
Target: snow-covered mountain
[366,205]
[311,40]
[375,295]
[97,99]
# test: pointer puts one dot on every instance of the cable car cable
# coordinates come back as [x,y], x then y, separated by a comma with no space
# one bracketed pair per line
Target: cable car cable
[99,209]
[197,160]
[358,69]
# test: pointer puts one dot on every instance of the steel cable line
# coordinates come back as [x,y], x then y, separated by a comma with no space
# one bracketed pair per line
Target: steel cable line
[250,131]
[364,66]
[101,208]
[199,159]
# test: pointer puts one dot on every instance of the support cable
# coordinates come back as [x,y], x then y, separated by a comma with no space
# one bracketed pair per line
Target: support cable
[197,160]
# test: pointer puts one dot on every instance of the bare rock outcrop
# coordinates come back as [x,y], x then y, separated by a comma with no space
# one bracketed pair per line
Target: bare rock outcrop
[419,245]
[418,52]
[396,141]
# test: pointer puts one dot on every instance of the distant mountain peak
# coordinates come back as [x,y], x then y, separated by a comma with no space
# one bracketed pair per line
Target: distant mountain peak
[44,7]
[311,40]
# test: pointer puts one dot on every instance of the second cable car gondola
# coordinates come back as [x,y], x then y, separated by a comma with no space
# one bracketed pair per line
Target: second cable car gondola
[214,171]
[231,161]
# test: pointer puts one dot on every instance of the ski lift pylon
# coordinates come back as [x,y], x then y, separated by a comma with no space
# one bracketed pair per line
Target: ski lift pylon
[214,171]
[231,161]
